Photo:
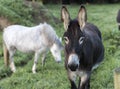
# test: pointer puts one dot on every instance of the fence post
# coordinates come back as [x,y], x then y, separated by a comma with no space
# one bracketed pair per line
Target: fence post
[117,78]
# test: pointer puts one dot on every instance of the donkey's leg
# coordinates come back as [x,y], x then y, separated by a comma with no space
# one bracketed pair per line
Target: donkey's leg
[35,62]
[12,65]
[72,78]
[37,53]
[44,58]
[85,81]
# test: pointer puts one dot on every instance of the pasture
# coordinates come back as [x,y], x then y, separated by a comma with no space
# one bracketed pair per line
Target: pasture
[53,75]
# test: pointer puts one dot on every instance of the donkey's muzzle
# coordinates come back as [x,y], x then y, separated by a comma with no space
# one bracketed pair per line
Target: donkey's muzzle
[73,67]
[73,62]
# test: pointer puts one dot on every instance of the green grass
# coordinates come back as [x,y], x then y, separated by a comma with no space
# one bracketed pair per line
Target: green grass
[53,75]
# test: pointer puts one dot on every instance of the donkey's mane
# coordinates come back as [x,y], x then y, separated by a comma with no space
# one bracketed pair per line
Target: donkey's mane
[49,33]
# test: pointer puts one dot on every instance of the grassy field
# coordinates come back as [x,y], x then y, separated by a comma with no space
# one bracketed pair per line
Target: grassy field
[53,75]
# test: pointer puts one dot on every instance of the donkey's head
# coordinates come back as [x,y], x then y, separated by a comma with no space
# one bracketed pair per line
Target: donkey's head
[56,49]
[74,37]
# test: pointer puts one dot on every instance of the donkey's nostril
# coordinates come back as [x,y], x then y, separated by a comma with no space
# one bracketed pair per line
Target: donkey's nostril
[73,67]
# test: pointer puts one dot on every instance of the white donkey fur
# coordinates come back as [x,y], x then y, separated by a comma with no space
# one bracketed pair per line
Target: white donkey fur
[38,39]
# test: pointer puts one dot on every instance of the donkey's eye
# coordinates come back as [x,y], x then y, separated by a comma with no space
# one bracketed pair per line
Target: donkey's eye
[66,40]
[81,40]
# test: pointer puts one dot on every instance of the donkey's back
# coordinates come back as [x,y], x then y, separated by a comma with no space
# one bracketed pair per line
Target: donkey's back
[94,29]
[93,34]
[22,38]
[27,39]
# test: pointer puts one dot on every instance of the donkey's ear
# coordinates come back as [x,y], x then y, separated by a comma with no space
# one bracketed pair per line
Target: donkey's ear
[65,17]
[82,16]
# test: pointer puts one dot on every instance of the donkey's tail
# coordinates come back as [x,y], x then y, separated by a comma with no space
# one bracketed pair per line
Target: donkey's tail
[6,55]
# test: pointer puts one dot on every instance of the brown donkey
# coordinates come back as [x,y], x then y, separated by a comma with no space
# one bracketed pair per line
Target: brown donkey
[84,49]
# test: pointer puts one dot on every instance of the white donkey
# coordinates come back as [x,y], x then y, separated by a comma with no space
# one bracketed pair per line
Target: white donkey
[38,39]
